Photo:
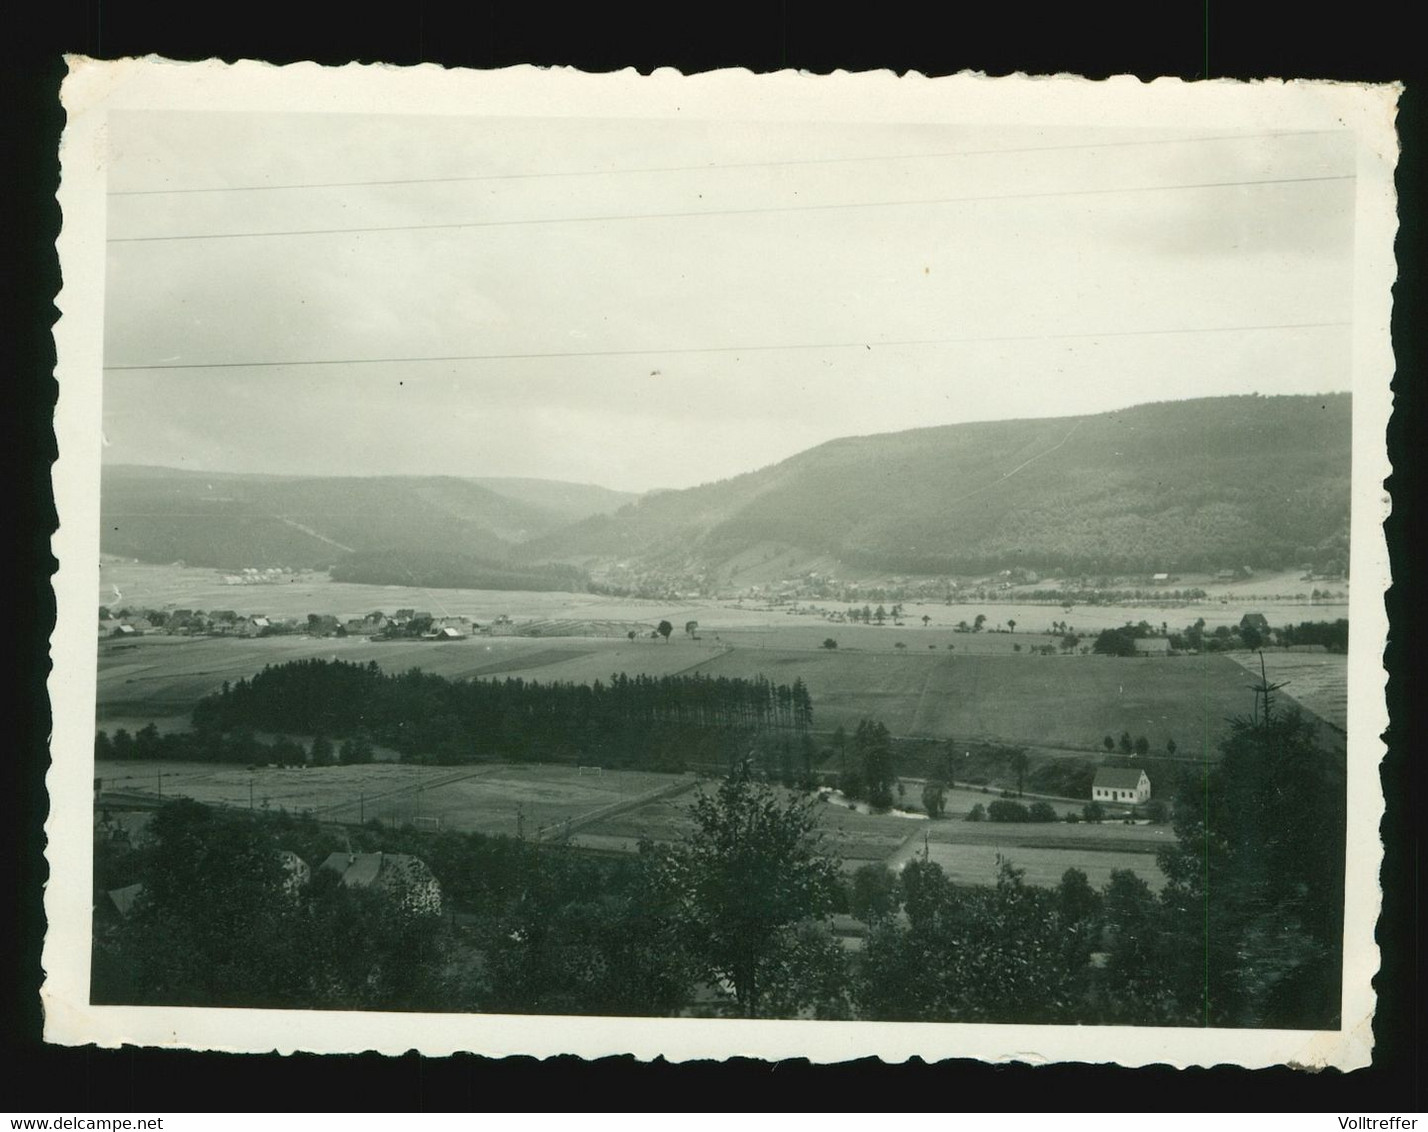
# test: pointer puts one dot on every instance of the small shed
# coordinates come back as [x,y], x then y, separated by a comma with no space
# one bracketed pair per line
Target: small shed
[1121,786]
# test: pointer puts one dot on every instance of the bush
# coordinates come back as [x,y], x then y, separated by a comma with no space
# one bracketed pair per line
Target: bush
[829,643]
[1093,812]
[1072,817]
[1004,811]
[1042,811]
[977,813]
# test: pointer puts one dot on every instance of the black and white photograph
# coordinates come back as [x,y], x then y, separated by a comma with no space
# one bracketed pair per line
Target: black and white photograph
[596,564]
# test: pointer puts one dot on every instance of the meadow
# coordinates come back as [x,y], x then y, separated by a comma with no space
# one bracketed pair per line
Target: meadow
[980,689]
[1059,701]
[144,585]
[614,810]
[1318,682]
[492,799]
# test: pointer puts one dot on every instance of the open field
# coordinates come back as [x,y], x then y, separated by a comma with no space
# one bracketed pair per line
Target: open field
[1060,701]
[142,585]
[980,687]
[1056,702]
[492,799]
[614,810]
[169,587]
[977,863]
[1316,681]
[968,851]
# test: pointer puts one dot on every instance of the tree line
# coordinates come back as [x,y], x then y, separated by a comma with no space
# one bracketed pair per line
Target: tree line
[652,721]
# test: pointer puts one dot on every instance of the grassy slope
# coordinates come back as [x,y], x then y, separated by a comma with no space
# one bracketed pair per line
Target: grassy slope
[1175,486]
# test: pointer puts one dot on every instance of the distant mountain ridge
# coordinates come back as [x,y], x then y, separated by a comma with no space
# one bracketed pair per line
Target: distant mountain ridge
[1188,485]
[1170,486]
[228,519]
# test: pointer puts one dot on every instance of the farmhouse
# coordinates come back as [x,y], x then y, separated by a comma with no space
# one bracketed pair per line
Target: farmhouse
[401,877]
[1152,646]
[1256,621]
[1127,787]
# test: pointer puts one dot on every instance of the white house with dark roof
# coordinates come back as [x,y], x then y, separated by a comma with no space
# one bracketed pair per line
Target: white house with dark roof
[1120,786]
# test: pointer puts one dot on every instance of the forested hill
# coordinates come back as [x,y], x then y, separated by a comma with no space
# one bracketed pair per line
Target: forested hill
[1205,484]
[234,520]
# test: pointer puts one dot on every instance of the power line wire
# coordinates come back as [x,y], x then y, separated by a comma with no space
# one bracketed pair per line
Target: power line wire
[749,349]
[613,217]
[714,165]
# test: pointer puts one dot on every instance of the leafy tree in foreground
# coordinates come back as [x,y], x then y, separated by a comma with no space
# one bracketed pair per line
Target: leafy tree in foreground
[1135,984]
[744,881]
[984,954]
[875,894]
[1256,879]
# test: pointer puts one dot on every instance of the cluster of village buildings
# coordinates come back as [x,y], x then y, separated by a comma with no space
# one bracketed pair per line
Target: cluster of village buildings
[403,624]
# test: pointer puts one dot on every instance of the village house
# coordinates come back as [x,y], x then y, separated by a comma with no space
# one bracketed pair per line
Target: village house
[449,629]
[401,877]
[1152,646]
[1126,787]
[1256,621]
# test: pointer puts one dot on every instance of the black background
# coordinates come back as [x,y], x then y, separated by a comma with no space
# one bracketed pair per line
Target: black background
[1359,42]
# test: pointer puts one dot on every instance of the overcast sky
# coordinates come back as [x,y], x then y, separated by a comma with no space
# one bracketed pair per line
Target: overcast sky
[648,304]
